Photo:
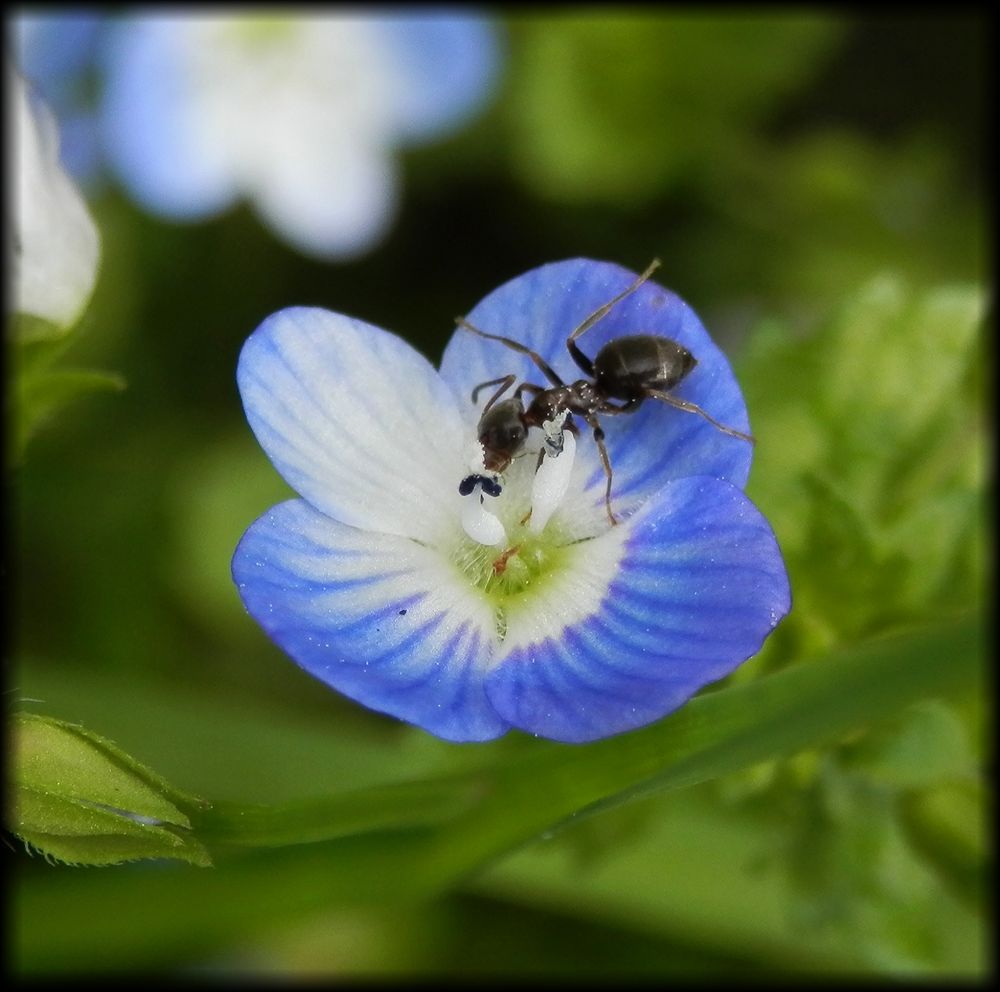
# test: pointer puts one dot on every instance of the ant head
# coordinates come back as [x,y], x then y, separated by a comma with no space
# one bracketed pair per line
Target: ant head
[502,433]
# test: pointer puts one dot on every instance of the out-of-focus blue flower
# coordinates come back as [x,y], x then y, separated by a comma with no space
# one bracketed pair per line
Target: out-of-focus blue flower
[574,630]
[54,47]
[55,50]
[299,114]
[55,245]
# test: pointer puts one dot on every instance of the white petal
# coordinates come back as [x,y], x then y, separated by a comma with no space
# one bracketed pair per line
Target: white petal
[356,421]
[56,247]
[329,195]
[306,105]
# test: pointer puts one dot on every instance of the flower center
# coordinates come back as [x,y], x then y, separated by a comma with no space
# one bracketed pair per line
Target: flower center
[257,32]
[511,542]
[525,560]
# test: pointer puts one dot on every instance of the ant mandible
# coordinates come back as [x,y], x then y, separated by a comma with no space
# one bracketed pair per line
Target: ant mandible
[630,369]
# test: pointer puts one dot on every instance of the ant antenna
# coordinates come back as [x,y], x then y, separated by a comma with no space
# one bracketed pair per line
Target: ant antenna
[604,310]
[514,346]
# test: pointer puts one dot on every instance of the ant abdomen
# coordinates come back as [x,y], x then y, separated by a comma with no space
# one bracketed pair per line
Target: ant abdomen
[628,367]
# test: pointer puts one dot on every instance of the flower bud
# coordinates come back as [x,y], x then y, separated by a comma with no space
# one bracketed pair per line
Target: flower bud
[78,798]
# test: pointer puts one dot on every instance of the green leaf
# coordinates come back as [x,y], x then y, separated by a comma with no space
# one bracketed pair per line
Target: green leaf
[927,745]
[802,707]
[398,806]
[724,877]
[522,793]
[871,453]
[949,825]
[79,798]
[41,394]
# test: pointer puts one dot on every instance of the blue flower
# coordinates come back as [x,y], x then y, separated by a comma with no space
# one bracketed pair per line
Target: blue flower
[376,582]
[301,115]
[56,50]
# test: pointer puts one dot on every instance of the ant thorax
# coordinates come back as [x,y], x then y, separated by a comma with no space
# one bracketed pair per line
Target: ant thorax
[553,465]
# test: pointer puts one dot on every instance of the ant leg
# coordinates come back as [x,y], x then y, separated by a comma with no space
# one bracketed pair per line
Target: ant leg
[627,407]
[585,363]
[526,386]
[505,383]
[514,346]
[599,439]
[694,408]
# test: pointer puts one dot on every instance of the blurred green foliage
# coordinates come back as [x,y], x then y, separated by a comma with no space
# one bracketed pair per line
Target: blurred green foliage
[877,477]
[616,107]
[813,184]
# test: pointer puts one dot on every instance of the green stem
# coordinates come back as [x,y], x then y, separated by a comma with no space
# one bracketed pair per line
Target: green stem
[398,806]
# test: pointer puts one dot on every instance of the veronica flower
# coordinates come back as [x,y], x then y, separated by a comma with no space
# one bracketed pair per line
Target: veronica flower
[300,115]
[55,243]
[391,586]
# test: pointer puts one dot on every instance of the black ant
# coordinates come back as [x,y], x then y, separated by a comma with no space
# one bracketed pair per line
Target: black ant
[631,369]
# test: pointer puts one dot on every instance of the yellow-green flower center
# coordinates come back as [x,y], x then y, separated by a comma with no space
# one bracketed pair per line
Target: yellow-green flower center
[524,562]
[263,31]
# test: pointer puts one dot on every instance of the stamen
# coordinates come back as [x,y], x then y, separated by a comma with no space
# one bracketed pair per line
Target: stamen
[481,525]
[552,479]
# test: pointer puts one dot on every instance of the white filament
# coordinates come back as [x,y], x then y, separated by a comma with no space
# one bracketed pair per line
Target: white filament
[551,482]
[481,525]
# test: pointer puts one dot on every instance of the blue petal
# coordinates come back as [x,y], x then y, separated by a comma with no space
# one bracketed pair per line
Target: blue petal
[148,119]
[379,618]
[698,586]
[648,448]
[356,421]
[448,65]
[55,46]
[54,51]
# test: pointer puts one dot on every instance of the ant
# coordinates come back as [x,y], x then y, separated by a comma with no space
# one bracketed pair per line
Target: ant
[630,369]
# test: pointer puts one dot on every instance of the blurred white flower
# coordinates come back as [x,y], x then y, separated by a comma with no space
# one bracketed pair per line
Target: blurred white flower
[301,115]
[55,244]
